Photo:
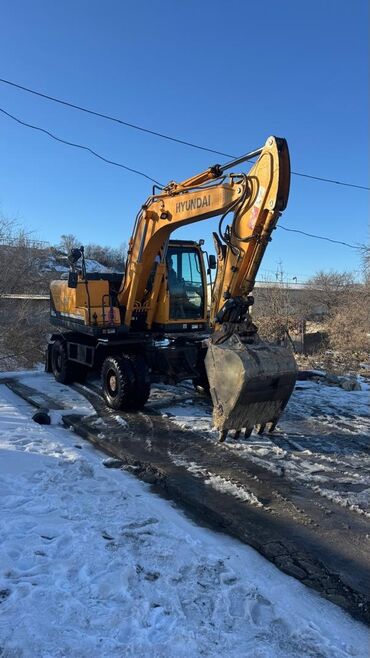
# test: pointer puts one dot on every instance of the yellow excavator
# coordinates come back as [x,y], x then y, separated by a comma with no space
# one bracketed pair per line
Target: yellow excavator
[154,323]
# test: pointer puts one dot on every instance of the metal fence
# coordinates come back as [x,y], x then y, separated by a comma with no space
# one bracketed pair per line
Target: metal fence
[24,242]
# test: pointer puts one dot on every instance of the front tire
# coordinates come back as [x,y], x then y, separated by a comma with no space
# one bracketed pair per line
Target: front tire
[118,380]
[141,389]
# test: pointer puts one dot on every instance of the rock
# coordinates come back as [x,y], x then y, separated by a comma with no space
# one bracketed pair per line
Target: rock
[332,380]
[42,417]
[111,462]
[350,385]
[304,375]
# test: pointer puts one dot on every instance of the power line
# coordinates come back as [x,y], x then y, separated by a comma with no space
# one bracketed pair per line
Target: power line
[318,237]
[140,173]
[111,118]
[330,180]
[79,146]
[161,135]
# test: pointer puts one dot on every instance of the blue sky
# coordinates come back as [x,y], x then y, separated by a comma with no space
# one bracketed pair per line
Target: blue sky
[222,74]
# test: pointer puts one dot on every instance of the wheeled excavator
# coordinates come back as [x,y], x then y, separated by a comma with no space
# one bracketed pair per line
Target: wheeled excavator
[154,323]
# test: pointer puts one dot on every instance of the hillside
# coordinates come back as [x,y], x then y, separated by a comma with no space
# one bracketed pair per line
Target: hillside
[57,262]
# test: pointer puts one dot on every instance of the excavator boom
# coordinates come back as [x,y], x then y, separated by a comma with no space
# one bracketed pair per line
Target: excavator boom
[256,199]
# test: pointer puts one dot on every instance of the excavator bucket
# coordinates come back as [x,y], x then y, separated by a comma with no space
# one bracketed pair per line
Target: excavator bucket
[250,384]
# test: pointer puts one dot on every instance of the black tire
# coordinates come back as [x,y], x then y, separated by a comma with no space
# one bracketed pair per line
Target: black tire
[63,369]
[202,387]
[118,381]
[201,383]
[141,389]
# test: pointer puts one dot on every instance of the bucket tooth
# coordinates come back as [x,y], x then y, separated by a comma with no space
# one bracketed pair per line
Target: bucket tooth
[247,432]
[222,435]
[261,428]
[250,384]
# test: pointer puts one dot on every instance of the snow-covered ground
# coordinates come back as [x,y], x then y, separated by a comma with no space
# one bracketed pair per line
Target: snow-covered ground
[50,263]
[93,564]
[322,439]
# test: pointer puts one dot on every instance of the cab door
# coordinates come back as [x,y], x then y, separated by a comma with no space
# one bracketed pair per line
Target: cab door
[182,301]
[186,284]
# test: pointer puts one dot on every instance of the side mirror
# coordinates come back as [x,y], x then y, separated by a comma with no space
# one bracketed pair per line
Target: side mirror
[72,279]
[74,255]
[212,262]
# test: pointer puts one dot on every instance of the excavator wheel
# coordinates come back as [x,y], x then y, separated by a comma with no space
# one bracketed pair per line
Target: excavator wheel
[201,386]
[141,389]
[63,369]
[118,382]
[201,383]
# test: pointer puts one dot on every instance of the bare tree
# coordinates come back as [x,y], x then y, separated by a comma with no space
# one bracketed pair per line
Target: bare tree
[330,289]
[67,242]
[277,310]
[347,320]
[114,258]
[23,326]
[366,264]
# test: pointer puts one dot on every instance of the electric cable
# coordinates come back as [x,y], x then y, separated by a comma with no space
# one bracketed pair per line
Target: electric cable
[319,237]
[79,146]
[161,135]
[114,119]
[140,173]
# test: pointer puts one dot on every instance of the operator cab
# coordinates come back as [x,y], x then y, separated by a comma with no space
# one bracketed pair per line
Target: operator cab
[184,289]
[185,283]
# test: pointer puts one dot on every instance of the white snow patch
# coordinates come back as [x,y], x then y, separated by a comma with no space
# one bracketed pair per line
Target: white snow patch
[216,481]
[347,501]
[120,420]
[52,264]
[70,400]
[221,484]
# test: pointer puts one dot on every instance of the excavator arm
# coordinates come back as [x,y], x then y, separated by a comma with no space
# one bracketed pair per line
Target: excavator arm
[265,196]
[256,199]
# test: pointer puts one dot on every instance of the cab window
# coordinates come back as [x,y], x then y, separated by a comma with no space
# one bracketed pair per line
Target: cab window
[185,285]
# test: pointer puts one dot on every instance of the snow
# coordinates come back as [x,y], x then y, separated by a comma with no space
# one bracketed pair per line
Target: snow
[69,399]
[322,440]
[217,482]
[120,420]
[52,264]
[92,563]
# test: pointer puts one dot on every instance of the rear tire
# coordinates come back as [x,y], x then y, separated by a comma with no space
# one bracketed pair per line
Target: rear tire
[63,369]
[118,381]
[141,388]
